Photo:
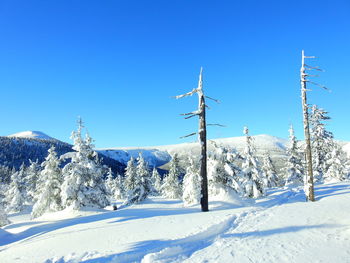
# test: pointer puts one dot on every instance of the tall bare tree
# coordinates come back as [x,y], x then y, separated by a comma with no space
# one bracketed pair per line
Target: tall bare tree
[309,178]
[202,137]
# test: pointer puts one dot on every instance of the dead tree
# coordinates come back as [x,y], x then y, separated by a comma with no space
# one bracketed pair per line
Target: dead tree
[309,179]
[202,137]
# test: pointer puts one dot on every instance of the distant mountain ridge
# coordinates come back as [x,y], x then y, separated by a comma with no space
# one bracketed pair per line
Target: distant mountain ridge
[160,155]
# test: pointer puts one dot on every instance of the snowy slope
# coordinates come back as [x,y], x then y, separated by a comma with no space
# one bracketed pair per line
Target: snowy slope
[278,228]
[32,135]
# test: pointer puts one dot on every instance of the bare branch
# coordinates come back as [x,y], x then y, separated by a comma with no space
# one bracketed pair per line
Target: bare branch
[189,135]
[315,68]
[321,86]
[217,101]
[216,124]
[191,116]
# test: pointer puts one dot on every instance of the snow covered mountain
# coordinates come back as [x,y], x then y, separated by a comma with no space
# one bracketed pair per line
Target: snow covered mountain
[32,135]
[160,155]
[19,148]
[154,157]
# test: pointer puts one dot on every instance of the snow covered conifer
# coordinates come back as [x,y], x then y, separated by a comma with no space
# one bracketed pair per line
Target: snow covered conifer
[3,217]
[15,196]
[269,171]
[83,177]
[115,186]
[171,187]
[191,184]
[130,175]
[31,179]
[143,172]
[223,173]
[294,171]
[156,181]
[321,141]
[141,186]
[119,190]
[338,165]
[48,192]
[110,183]
[253,183]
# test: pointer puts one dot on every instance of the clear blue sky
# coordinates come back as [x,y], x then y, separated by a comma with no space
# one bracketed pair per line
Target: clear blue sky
[118,64]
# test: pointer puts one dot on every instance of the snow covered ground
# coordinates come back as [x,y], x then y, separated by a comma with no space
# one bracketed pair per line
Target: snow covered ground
[278,228]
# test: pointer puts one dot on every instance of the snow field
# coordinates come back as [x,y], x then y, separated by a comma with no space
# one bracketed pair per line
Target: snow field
[280,227]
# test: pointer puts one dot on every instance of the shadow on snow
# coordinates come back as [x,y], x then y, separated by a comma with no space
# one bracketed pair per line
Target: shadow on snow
[180,249]
[126,214]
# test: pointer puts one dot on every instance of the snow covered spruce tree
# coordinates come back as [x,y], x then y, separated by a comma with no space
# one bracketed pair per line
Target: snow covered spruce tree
[138,181]
[322,142]
[144,173]
[269,171]
[130,181]
[110,183]
[171,187]
[191,184]
[83,177]
[3,217]
[115,186]
[338,165]
[294,171]
[119,190]
[31,179]
[223,173]
[48,191]
[156,181]
[16,197]
[253,183]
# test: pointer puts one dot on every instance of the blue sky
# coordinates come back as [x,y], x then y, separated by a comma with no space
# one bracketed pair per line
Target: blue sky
[118,64]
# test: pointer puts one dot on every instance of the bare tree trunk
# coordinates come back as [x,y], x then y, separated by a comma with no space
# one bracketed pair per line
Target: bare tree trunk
[203,143]
[202,138]
[309,182]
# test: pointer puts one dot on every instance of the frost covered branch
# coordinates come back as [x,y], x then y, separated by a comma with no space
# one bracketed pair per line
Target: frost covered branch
[191,113]
[187,94]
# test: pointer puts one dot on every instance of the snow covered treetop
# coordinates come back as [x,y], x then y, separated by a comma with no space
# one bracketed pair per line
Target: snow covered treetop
[245,130]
